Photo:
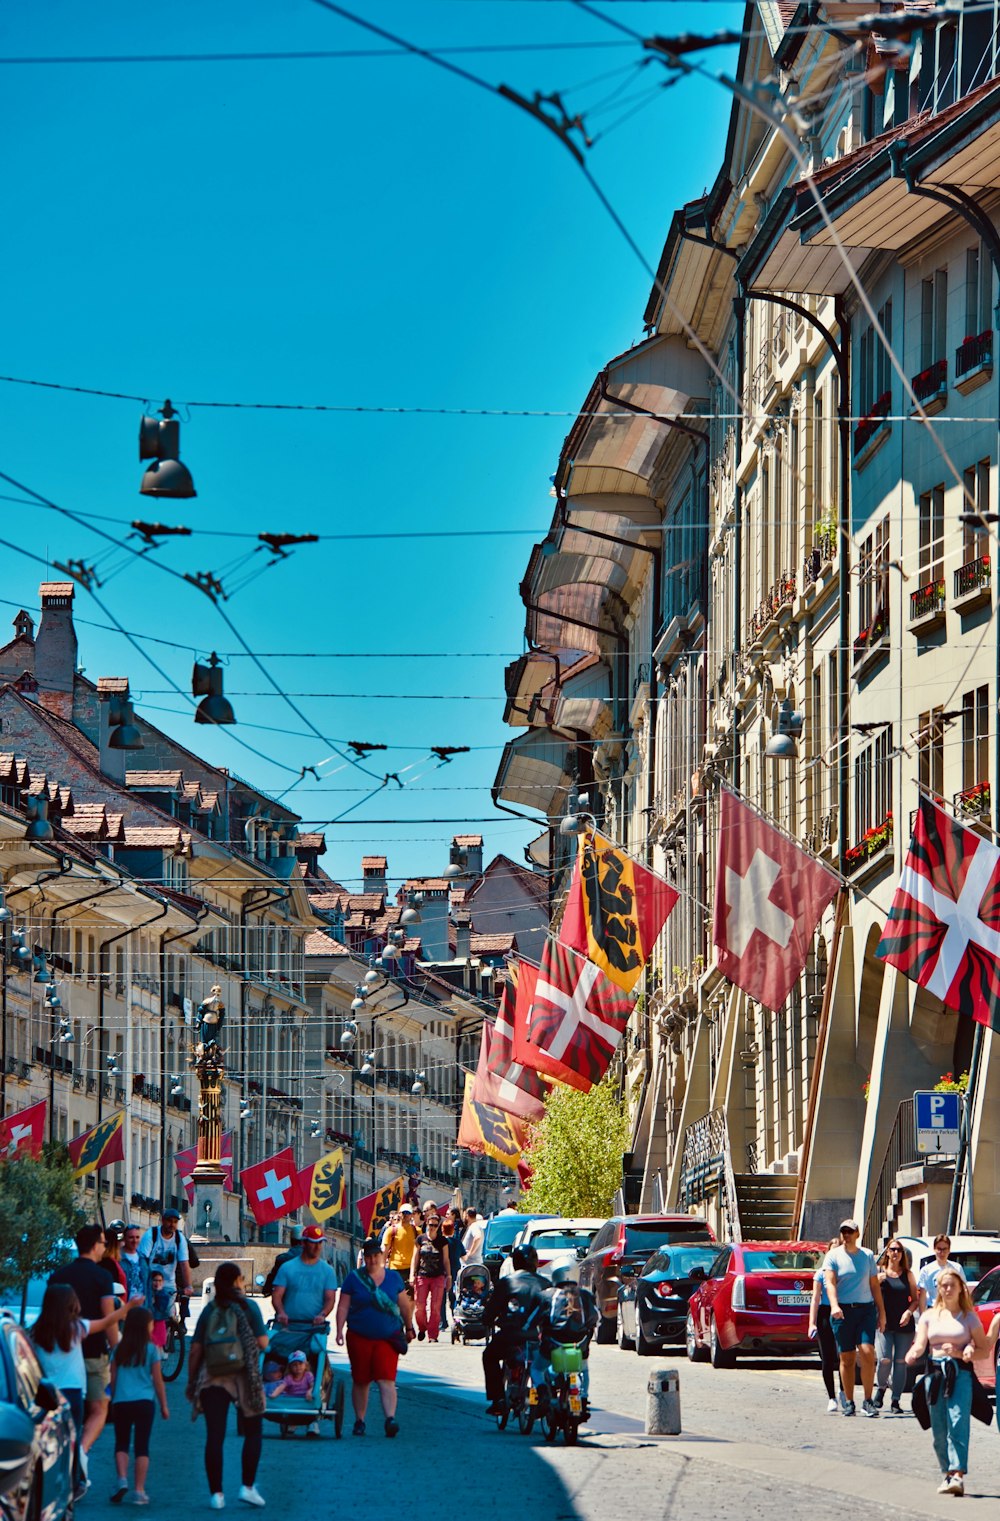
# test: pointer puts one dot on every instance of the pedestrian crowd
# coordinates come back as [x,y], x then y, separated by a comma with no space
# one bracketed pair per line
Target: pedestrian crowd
[877,1314]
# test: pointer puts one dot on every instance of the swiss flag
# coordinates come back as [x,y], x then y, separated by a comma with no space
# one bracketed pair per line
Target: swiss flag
[769,897]
[22,1134]
[272,1186]
[568,1018]
[943,929]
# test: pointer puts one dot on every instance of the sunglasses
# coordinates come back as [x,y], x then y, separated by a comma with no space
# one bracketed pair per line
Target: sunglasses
[894,1248]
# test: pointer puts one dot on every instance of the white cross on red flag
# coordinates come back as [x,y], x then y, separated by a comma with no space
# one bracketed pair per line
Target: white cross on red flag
[943,929]
[497,1090]
[769,897]
[568,1017]
[272,1186]
[22,1134]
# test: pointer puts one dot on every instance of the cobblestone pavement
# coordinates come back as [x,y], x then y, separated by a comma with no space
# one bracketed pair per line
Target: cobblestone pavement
[756,1442]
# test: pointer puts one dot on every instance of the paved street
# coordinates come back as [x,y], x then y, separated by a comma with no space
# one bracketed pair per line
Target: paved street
[756,1443]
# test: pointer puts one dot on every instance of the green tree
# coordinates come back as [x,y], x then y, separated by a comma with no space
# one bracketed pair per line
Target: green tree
[576,1152]
[38,1210]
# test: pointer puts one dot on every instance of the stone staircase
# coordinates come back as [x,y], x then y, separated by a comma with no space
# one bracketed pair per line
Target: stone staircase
[766,1205]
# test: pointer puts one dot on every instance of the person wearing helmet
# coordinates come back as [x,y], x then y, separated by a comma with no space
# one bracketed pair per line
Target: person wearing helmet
[512,1313]
[568,1318]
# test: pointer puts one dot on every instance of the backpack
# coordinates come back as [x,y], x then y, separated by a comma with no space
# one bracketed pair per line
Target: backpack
[223,1345]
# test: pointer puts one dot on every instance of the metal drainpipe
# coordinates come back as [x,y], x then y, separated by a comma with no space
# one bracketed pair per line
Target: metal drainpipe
[166,940]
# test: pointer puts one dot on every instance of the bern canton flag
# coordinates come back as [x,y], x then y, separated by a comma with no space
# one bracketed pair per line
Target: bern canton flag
[943,929]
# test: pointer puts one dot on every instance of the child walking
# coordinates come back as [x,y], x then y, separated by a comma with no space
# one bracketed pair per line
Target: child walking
[58,1335]
[161,1302]
[136,1382]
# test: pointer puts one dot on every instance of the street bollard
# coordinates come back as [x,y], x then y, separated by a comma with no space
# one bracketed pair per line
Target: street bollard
[663,1403]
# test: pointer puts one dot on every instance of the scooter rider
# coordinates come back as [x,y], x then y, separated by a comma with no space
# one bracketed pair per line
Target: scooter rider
[569,1318]
[513,1312]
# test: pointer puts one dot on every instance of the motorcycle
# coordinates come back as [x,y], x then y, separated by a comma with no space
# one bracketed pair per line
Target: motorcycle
[559,1404]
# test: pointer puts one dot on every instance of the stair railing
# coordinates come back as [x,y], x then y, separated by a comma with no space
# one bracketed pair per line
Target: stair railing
[707,1168]
[901,1151]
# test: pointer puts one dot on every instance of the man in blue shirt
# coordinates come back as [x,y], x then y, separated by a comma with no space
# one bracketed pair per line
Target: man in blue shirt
[305,1290]
[856,1311]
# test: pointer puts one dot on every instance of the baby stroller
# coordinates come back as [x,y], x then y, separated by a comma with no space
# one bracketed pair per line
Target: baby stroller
[472,1293]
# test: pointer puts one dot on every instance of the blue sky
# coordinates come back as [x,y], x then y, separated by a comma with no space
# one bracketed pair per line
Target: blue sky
[355,231]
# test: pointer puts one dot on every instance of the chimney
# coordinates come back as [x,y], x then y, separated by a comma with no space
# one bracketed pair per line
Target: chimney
[462,920]
[111,692]
[56,649]
[374,874]
[472,846]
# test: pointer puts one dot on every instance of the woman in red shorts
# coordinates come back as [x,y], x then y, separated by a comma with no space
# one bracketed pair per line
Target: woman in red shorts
[376,1310]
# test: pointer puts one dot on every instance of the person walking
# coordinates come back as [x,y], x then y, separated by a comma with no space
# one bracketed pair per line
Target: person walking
[856,1312]
[472,1240]
[821,1331]
[430,1272]
[58,1336]
[224,1370]
[928,1276]
[451,1228]
[132,1266]
[165,1247]
[95,1289]
[399,1240]
[304,1293]
[375,1309]
[136,1384]
[901,1298]
[952,1335]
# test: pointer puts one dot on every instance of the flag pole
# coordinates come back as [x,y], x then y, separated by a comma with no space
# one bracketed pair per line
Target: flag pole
[963,1162]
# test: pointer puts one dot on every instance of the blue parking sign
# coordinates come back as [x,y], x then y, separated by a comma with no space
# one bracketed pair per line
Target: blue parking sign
[936,1121]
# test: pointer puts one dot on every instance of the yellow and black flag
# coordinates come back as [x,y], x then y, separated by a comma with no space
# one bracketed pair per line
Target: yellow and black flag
[100,1146]
[615,910]
[486,1129]
[328,1188]
[375,1209]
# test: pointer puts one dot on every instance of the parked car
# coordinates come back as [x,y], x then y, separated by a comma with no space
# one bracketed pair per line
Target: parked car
[986,1302]
[653,1301]
[36,1436]
[25,1307]
[755,1299]
[631,1240]
[498,1238]
[562,1242]
[977,1253]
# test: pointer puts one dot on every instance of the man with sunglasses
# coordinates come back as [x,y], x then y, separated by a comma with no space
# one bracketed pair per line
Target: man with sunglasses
[430,1271]
[856,1312]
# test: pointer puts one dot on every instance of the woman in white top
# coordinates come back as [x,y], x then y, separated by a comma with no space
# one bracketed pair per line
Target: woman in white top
[951,1334]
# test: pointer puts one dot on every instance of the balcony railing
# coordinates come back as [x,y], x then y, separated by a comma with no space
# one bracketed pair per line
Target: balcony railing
[781,594]
[872,843]
[974,802]
[872,421]
[931,381]
[974,576]
[927,600]
[974,353]
[871,636]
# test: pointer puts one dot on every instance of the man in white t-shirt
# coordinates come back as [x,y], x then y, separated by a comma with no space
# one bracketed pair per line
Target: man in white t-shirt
[928,1276]
[164,1247]
[472,1240]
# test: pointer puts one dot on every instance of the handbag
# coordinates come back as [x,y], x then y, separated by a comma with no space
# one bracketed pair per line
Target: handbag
[398,1342]
[398,1339]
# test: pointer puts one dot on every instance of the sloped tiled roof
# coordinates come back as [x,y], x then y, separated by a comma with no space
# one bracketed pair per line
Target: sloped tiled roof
[164,779]
[151,836]
[319,944]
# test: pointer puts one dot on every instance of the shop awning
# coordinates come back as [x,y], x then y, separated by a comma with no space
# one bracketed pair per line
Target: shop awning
[534,773]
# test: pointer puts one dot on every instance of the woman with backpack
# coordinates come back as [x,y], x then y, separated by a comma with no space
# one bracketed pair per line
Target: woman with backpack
[224,1370]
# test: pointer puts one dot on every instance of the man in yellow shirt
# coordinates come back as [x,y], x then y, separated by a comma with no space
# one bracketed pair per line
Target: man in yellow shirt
[399,1242]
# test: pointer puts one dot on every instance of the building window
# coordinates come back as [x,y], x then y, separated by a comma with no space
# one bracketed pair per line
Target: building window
[975,536]
[863,793]
[932,536]
[978,291]
[933,318]
[883,775]
[875,367]
[975,737]
[873,583]
[930,750]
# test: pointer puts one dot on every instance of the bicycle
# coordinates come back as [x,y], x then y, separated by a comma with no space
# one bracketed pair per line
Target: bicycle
[173,1348]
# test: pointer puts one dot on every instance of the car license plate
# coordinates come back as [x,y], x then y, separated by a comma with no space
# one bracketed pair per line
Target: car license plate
[795,1299]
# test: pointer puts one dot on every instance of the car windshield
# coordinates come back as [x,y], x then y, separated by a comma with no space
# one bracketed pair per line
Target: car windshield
[987,1289]
[501,1232]
[975,1264]
[649,1234]
[562,1241]
[778,1261]
[681,1260]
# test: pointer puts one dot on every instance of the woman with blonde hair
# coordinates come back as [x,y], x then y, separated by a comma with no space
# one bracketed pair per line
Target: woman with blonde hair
[952,1336]
[901,1298]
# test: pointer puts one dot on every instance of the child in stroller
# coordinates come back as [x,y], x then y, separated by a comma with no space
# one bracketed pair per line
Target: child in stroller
[472,1293]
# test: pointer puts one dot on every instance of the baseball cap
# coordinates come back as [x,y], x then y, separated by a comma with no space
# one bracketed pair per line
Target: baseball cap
[313,1233]
[297,1356]
[406,1209]
[849,1225]
[170,1214]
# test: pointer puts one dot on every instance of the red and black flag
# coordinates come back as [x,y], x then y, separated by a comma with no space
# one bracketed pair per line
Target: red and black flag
[100,1146]
[569,1018]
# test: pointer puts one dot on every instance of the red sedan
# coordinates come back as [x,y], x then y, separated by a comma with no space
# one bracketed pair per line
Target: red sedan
[755,1299]
[986,1303]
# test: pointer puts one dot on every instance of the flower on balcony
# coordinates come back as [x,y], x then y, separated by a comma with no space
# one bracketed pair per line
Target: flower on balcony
[932,377]
[871,842]
[949,1083]
[866,1086]
[974,801]
[973,338]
